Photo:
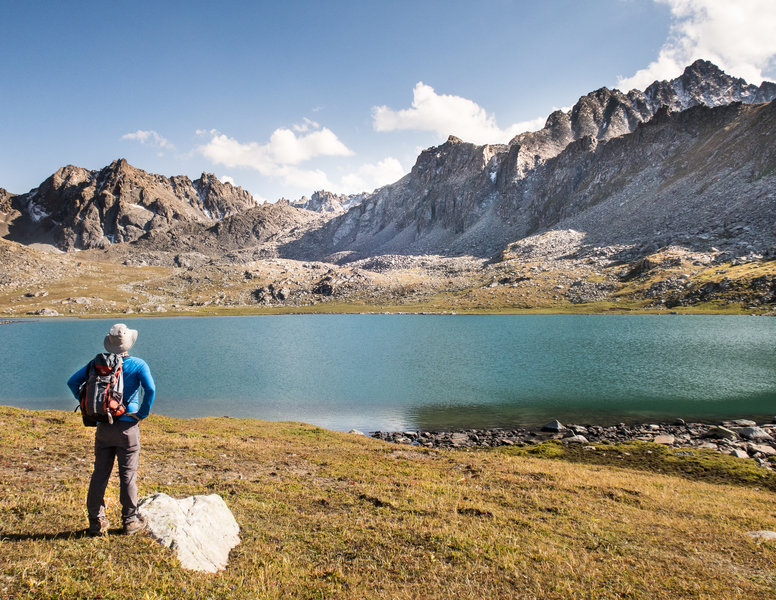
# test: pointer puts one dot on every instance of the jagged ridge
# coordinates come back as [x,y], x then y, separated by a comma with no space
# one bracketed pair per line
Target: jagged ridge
[459,198]
[79,209]
[465,199]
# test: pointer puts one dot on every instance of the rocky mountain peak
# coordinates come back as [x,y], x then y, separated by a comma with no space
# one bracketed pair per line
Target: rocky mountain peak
[220,199]
[120,167]
[328,202]
[79,209]
[703,69]
[608,113]
[705,83]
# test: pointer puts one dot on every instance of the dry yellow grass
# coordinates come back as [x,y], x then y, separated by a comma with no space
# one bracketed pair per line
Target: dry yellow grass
[332,515]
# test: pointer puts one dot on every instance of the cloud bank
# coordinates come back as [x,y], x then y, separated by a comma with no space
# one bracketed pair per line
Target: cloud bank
[738,36]
[370,176]
[149,138]
[282,157]
[447,114]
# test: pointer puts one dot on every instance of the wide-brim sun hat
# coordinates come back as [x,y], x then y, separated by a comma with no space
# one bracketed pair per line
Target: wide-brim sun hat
[120,339]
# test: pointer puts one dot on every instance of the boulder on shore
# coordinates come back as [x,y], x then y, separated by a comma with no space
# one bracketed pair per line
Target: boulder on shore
[201,529]
[554,427]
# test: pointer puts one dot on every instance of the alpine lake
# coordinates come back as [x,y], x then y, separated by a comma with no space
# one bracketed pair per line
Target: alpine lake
[427,372]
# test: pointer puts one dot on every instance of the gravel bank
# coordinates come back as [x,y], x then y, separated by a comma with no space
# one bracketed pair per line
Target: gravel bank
[743,438]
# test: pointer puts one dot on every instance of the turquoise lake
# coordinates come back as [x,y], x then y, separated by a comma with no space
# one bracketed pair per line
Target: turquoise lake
[398,372]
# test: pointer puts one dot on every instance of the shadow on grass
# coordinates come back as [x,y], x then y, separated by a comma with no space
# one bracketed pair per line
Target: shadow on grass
[62,535]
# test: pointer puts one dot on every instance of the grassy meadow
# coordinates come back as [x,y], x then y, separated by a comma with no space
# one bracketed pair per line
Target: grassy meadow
[333,515]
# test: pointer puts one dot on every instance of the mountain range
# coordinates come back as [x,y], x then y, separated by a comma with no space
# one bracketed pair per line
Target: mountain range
[689,162]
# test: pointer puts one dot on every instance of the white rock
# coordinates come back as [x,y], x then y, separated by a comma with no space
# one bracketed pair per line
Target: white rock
[356,432]
[201,529]
[754,433]
[575,439]
[761,448]
[667,439]
[764,535]
[708,446]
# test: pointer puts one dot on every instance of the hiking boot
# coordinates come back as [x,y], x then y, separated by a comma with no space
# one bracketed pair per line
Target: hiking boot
[98,527]
[134,526]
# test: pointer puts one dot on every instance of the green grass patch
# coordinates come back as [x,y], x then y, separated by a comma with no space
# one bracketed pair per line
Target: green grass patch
[698,464]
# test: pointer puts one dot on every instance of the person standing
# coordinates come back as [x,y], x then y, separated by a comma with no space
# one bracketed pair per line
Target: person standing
[121,439]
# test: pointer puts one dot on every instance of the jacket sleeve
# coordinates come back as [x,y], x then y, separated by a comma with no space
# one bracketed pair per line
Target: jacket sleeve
[74,383]
[149,392]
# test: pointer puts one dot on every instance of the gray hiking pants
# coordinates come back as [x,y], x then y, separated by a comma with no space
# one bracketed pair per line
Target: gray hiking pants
[120,440]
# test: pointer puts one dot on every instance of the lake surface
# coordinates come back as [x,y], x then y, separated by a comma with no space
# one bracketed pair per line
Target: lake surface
[397,372]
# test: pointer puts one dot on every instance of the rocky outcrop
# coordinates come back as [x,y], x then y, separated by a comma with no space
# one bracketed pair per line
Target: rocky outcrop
[80,209]
[328,202]
[701,178]
[444,195]
[219,200]
[201,529]
[257,229]
[8,214]
[259,225]
[6,201]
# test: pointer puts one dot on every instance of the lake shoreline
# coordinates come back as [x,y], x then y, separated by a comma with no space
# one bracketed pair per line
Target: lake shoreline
[743,438]
[321,309]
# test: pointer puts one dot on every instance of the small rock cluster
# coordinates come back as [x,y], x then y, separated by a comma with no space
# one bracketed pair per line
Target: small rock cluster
[742,438]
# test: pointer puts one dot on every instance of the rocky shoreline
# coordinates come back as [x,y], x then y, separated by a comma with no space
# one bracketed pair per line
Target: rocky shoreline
[742,438]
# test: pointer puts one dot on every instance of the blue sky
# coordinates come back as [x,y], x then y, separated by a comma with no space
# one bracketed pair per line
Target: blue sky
[284,98]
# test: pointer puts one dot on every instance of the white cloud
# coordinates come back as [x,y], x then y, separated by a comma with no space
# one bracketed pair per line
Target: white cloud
[371,176]
[226,179]
[149,137]
[307,125]
[445,115]
[738,36]
[278,157]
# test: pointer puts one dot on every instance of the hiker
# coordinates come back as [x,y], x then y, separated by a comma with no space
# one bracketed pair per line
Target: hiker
[121,438]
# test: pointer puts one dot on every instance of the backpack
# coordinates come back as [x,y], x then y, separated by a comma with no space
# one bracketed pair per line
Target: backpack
[101,396]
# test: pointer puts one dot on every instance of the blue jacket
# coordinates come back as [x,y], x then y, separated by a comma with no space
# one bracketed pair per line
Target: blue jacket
[139,388]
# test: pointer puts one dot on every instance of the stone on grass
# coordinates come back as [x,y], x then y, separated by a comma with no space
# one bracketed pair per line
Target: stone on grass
[356,432]
[738,453]
[762,535]
[575,439]
[667,439]
[201,529]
